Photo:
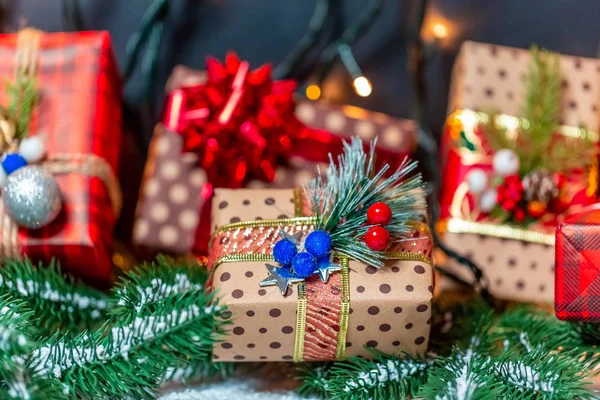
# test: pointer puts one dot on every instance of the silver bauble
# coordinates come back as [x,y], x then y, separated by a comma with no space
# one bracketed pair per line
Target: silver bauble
[31,197]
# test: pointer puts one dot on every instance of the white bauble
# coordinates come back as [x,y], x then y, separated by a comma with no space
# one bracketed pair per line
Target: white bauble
[32,149]
[487,201]
[506,162]
[477,180]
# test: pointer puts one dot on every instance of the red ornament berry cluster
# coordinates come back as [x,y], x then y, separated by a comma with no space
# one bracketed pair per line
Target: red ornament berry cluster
[377,237]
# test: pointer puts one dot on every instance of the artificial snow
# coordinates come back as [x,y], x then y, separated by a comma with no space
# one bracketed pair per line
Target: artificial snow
[31,288]
[391,371]
[123,339]
[526,378]
[18,390]
[238,389]
[158,290]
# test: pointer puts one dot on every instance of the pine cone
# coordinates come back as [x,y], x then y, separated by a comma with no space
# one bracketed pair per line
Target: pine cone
[540,186]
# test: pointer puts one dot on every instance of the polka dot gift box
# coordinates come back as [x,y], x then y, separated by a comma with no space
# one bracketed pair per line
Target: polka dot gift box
[511,173]
[192,152]
[300,289]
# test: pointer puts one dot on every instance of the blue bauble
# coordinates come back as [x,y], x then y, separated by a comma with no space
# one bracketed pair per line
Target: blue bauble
[13,162]
[304,264]
[318,243]
[284,251]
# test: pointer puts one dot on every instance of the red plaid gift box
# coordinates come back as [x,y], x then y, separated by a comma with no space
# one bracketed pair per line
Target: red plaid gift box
[79,117]
[577,279]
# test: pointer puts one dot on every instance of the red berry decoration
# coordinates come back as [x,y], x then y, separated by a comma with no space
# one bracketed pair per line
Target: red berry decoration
[379,214]
[510,193]
[377,238]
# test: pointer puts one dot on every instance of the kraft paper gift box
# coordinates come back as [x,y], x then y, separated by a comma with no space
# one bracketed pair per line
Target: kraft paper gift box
[389,308]
[173,210]
[78,116]
[518,261]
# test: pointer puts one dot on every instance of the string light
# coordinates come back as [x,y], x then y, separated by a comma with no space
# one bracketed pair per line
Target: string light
[313,92]
[362,86]
[440,31]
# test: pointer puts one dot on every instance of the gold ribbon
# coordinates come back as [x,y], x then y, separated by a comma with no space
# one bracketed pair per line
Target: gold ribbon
[458,225]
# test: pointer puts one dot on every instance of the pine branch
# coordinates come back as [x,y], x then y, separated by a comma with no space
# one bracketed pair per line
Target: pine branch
[17,380]
[133,357]
[539,374]
[537,143]
[314,380]
[386,378]
[462,376]
[16,332]
[144,288]
[352,186]
[23,99]
[58,302]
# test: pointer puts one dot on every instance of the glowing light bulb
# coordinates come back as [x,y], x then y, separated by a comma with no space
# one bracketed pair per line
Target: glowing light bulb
[313,92]
[362,86]
[439,31]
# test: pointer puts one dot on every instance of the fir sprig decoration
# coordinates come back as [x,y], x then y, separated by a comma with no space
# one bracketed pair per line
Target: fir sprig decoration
[535,141]
[144,288]
[352,185]
[59,302]
[23,97]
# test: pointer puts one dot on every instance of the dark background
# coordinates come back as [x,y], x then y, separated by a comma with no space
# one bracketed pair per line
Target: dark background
[265,30]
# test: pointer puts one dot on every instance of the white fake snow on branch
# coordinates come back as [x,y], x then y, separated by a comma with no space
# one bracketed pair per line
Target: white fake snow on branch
[158,290]
[59,358]
[391,371]
[31,288]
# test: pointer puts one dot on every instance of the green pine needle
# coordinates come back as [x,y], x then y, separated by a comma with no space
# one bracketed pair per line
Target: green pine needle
[537,144]
[92,365]
[145,287]
[340,204]
[17,340]
[462,376]
[59,302]
[389,377]
[23,97]
[314,379]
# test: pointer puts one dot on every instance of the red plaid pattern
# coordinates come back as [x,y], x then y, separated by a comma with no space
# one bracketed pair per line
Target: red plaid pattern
[577,272]
[79,112]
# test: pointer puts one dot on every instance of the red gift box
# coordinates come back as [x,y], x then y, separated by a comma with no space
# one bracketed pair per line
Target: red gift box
[79,117]
[577,271]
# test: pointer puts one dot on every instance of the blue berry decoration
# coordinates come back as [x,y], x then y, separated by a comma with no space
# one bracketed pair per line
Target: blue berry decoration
[318,243]
[13,162]
[304,264]
[284,251]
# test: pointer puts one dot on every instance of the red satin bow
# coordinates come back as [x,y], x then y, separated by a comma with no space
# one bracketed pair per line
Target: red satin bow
[239,123]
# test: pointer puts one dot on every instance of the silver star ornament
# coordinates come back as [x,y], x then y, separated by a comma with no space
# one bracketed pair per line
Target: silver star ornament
[280,277]
[326,268]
